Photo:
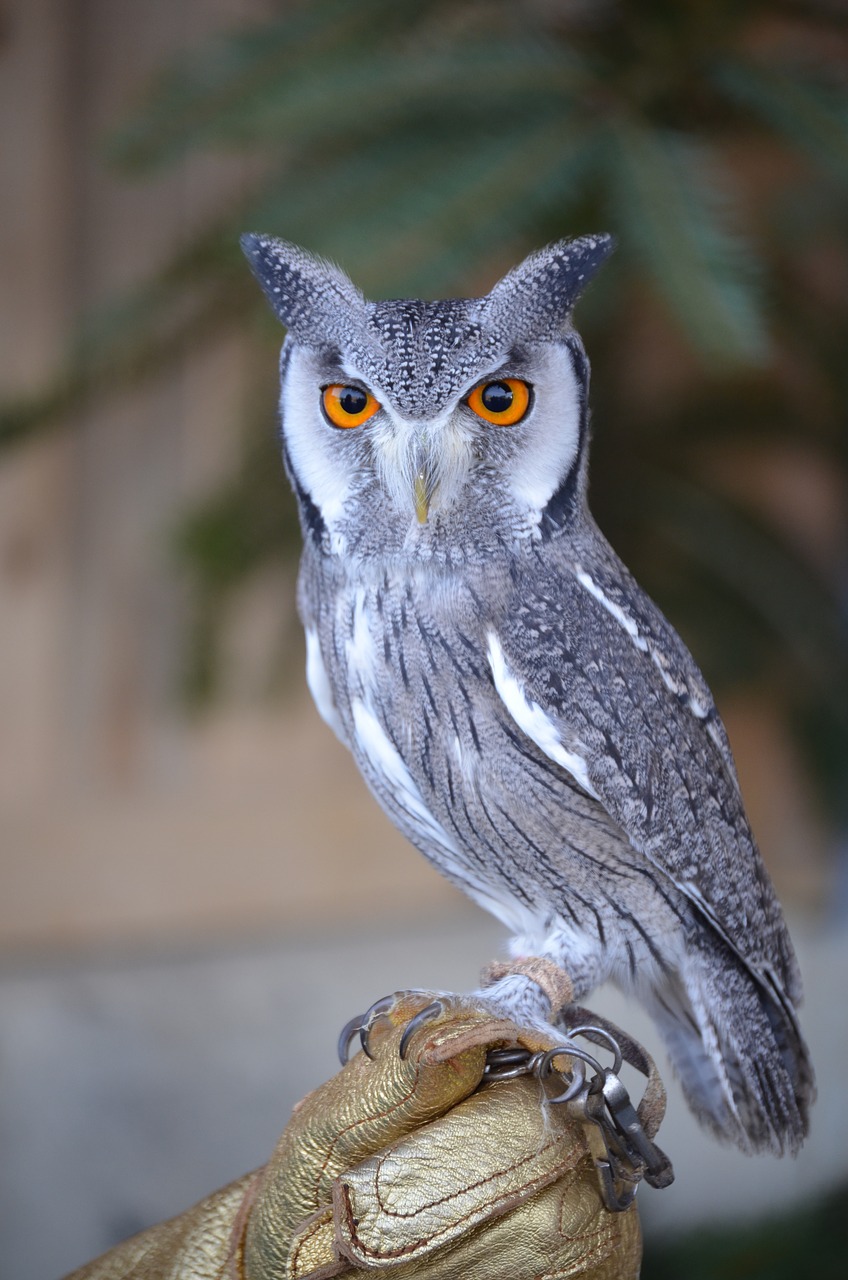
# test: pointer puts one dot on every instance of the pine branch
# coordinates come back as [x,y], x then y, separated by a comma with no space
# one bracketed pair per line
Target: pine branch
[670,203]
[809,116]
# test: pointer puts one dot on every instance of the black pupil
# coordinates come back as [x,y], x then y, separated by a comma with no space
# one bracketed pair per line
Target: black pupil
[497,397]
[352,400]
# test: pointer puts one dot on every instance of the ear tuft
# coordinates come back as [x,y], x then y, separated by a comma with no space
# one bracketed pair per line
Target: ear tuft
[538,295]
[305,292]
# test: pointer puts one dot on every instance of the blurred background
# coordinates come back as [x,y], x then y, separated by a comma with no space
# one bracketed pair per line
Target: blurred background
[196,888]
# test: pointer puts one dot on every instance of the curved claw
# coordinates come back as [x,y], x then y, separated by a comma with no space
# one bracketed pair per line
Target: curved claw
[348,1031]
[369,1018]
[574,1089]
[424,1015]
[577,1080]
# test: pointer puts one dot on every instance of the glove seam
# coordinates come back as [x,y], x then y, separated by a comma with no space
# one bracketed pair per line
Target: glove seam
[496,1208]
[321,1220]
[472,1186]
[358,1124]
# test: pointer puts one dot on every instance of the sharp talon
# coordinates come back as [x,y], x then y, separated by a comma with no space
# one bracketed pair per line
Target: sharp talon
[577,1078]
[348,1031]
[369,1018]
[430,1011]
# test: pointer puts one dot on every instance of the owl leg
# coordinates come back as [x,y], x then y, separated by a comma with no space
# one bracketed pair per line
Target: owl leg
[518,998]
[531,990]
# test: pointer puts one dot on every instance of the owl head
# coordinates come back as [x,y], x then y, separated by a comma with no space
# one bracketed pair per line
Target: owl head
[434,429]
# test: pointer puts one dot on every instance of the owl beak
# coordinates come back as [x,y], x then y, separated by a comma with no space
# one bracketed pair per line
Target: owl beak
[422,494]
[424,484]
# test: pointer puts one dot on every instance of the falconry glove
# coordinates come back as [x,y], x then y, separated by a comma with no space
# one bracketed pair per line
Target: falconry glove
[450,1160]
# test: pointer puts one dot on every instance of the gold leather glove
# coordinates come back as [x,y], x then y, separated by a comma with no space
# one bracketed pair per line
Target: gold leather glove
[415,1166]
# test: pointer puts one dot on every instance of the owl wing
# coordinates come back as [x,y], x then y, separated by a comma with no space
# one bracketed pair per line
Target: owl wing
[592,672]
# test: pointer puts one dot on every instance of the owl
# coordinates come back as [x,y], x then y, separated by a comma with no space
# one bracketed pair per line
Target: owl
[519,707]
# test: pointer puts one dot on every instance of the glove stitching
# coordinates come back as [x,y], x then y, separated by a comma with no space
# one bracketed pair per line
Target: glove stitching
[606,1238]
[304,1241]
[609,1240]
[514,1194]
[233,1267]
[358,1124]
[472,1186]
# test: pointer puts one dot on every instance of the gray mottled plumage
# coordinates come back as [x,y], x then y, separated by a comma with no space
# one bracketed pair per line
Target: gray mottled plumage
[518,706]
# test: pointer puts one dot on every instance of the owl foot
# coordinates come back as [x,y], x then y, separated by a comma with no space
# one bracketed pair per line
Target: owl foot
[529,992]
[408,1010]
[434,1026]
[362,1024]
[383,1012]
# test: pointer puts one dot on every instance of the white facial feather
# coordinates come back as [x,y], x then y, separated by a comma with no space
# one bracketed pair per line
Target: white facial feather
[441,447]
[444,448]
[321,468]
[551,431]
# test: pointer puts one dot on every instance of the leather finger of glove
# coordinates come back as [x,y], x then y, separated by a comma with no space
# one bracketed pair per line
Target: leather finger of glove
[199,1244]
[502,1186]
[368,1106]
[347,1136]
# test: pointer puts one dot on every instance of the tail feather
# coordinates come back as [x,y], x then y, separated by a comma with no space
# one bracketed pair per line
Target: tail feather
[738,1052]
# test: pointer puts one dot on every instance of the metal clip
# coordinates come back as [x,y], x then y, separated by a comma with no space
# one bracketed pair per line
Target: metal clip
[657,1166]
[508,1064]
[630,1155]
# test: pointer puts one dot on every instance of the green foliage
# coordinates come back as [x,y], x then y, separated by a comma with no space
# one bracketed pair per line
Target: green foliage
[668,193]
[427,146]
[806,1243]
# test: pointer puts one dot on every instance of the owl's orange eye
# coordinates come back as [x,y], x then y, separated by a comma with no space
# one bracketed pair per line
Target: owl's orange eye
[348,406]
[504,402]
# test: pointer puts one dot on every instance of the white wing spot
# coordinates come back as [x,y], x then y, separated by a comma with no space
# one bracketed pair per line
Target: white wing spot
[359,647]
[392,773]
[611,607]
[319,684]
[532,720]
[677,687]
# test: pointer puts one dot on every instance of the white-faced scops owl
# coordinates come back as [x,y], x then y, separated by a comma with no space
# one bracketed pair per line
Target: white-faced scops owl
[518,706]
